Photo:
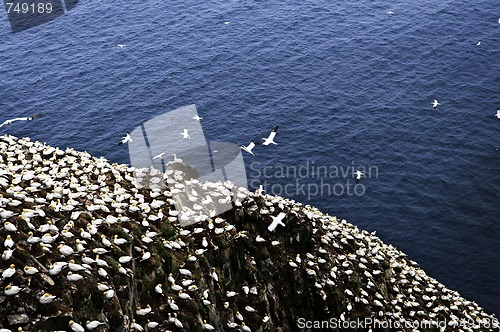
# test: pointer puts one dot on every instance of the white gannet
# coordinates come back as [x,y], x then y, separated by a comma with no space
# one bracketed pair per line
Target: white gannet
[28,118]
[158,156]
[187,282]
[260,190]
[75,326]
[172,304]
[125,259]
[214,274]
[125,139]
[145,256]
[102,287]
[56,268]
[185,134]
[245,327]
[46,298]
[478,43]
[74,276]
[143,311]
[358,174]
[75,267]
[152,324]
[102,272]
[8,243]
[12,290]
[197,118]
[276,221]
[231,293]
[435,104]
[176,159]
[250,309]
[119,240]
[10,227]
[65,250]
[108,294]
[270,138]
[136,326]
[184,296]
[207,326]
[87,260]
[250,147]
[232,325]
[7,273]
[30,270]
[91,325]
[176,287]
[32,239]
[498,114]
[100,262]
[185,272]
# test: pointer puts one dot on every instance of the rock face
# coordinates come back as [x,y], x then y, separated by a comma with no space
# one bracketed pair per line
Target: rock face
[83,243]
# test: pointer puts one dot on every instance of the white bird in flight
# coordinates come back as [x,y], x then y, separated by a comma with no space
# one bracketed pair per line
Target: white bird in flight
[158,156]
[185,134]
[125,139]
[435,104]
[478,43]
[270,138]
[359,174]
[27,118]
[121,45]
[250,147]
[277,221]
[498,114]
[197,117]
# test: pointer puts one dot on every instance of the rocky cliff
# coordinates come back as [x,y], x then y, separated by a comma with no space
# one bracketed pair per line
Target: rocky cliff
[87,248]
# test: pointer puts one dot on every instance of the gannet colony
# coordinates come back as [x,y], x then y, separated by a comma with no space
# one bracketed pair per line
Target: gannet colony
[86,247]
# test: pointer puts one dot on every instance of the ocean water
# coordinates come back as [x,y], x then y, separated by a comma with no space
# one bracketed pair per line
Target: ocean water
[349,85]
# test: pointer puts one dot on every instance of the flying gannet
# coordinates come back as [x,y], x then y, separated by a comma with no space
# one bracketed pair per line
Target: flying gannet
[435,104]
[185,134]
[125,139]
[358,174]
[277,221]
[158,156]
[27,118]
[270,138]
[250,147]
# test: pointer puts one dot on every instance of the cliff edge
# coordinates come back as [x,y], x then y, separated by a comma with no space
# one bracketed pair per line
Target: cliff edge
[87,248]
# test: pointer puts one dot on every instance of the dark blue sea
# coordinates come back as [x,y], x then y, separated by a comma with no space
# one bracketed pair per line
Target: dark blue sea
[349,84]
